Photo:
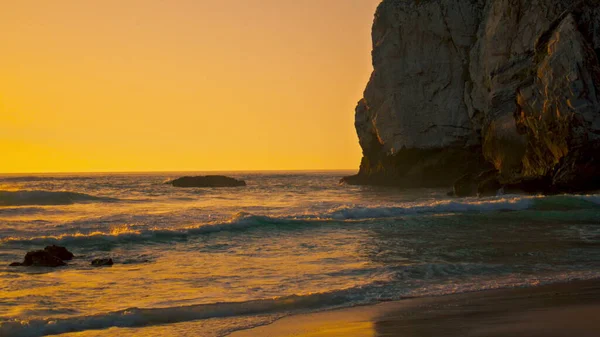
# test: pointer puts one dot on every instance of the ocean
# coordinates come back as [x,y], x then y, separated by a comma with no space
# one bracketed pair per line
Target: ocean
[210,261]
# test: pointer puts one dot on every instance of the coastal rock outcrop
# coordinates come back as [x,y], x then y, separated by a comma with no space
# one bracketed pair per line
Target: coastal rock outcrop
[60,252]
[55,256]
[39,258]
[207,181]
[465,87]
[51,256]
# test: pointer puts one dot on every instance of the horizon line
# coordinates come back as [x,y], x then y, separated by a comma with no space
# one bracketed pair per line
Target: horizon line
[177,171]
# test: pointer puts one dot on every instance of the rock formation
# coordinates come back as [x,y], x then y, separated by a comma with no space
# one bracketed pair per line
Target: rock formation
[207,181]
[60,252]
[460,87]
[54,256]
[51,256]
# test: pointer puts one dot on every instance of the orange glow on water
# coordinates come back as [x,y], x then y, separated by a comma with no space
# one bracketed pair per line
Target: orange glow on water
[185,85]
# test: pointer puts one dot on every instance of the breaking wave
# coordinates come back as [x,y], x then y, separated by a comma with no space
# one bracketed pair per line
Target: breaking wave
[40,197]
[345,215]
[373,292]
[441,206]
[131,234]
[504,204]
[139,317]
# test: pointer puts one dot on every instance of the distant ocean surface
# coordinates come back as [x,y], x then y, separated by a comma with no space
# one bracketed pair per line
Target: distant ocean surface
[210,261]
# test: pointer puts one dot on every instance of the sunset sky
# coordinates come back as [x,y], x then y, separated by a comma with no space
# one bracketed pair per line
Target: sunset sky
[151,85]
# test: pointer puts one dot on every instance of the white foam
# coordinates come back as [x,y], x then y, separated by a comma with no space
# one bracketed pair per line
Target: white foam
[507,203]
[136,317]
[244,221]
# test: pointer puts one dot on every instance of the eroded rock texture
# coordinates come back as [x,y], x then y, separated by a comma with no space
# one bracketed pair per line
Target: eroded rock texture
[462,86]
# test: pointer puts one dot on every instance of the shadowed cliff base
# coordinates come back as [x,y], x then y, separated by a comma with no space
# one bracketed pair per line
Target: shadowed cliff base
[514,82]
[467,173]
[419,167]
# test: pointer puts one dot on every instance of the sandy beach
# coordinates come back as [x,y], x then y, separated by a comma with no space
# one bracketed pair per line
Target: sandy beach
[567,309]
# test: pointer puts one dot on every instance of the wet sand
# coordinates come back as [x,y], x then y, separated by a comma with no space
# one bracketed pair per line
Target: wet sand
[568,309]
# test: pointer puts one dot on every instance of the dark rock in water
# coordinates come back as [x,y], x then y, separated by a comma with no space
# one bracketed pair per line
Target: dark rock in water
[102,262]
[40,258]
[530,186]
[488,183]
[51,256]
[207,181]
[579,170]
[488,187]
[60,252]
[484,184]
[465,186]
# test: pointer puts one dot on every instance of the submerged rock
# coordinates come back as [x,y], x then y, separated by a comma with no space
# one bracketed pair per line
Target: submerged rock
[462,87]
[102,262]
[207,181]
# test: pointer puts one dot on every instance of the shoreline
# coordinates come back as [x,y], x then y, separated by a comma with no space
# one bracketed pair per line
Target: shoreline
[553,310]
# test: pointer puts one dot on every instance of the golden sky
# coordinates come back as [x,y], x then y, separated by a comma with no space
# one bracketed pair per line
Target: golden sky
[159,85]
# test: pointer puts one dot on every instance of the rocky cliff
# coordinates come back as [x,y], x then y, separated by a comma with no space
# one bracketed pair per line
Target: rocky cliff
[461,87]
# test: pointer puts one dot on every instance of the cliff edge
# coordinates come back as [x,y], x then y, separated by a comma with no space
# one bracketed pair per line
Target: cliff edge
[473,89]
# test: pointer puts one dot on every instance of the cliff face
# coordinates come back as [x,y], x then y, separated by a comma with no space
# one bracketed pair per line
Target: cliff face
[465,86]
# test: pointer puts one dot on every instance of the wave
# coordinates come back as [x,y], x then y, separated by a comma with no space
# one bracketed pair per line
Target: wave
[374,292]
[130,234]
[439,206]
[43,178]
[494,204]
[18,211]
[41,197]
[566,202]
[346,215]
[139,317]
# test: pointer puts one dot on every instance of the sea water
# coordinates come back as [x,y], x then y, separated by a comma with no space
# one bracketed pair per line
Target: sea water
[210,261]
